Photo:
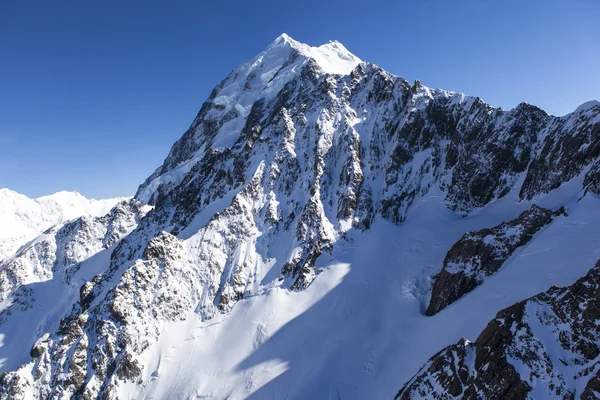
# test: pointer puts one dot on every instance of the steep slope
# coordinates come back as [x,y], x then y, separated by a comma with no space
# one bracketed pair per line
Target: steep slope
[41,278]
[65,245]
[318,191]
[546,347]
[22,218]
[477,255]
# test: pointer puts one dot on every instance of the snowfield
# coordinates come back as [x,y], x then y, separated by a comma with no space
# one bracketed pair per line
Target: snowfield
[359,330]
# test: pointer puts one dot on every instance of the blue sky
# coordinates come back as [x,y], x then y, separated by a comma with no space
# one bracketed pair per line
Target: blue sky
[94,93]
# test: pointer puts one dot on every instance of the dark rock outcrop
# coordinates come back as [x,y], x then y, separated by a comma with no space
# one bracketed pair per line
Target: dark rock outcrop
[550,342]
[480,254]
[571,143]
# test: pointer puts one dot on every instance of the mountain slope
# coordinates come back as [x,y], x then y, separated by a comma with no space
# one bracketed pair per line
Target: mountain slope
[544,347]
[40,282]
[22,218]
[477,255]
[294,232]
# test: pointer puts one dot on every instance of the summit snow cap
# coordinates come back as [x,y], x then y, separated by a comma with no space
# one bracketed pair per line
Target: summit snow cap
[261,78]
[271,69]
[332,57]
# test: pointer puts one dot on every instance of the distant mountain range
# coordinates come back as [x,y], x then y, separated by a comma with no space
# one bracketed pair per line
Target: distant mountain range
[22,218]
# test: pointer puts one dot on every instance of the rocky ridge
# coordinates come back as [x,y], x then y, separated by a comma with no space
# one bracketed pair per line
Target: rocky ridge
[478,255]
[543,347]
[63,246]
[22,218]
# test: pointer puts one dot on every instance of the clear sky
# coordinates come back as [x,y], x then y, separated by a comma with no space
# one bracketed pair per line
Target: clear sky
[94,93]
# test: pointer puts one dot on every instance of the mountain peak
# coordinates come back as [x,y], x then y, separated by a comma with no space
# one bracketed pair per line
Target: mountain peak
[24,218]
[300,203]
[8,192]
[333,57]
[63,194]
[283,38]
[587,105]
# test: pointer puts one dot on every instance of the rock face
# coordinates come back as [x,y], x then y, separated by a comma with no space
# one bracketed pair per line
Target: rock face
[480,254]
[61,248]
[22,218]
[571,144]
[550,342]
[293,150]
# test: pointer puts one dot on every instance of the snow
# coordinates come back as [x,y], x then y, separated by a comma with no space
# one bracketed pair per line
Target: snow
[260,78]
[358,331]
[332,57]
[22,218]
[586,106]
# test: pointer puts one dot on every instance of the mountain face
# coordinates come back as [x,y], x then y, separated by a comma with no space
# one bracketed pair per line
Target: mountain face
[480,254]
[544,347]
[22,218]
[287,245]
[65,245]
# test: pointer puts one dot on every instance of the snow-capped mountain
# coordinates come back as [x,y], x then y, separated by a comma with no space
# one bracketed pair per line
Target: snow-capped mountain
[22,218]
[294,238]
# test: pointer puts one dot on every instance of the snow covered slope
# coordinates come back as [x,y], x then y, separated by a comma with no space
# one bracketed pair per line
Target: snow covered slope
[545,347]
[477,255]
[294,233]
[40,282]
[22,218]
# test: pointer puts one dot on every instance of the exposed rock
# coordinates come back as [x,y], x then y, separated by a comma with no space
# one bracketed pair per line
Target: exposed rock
[480,254]
[13,386]
[570,144]
[62,247]
[550,342]
[592,179]
[40,346]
